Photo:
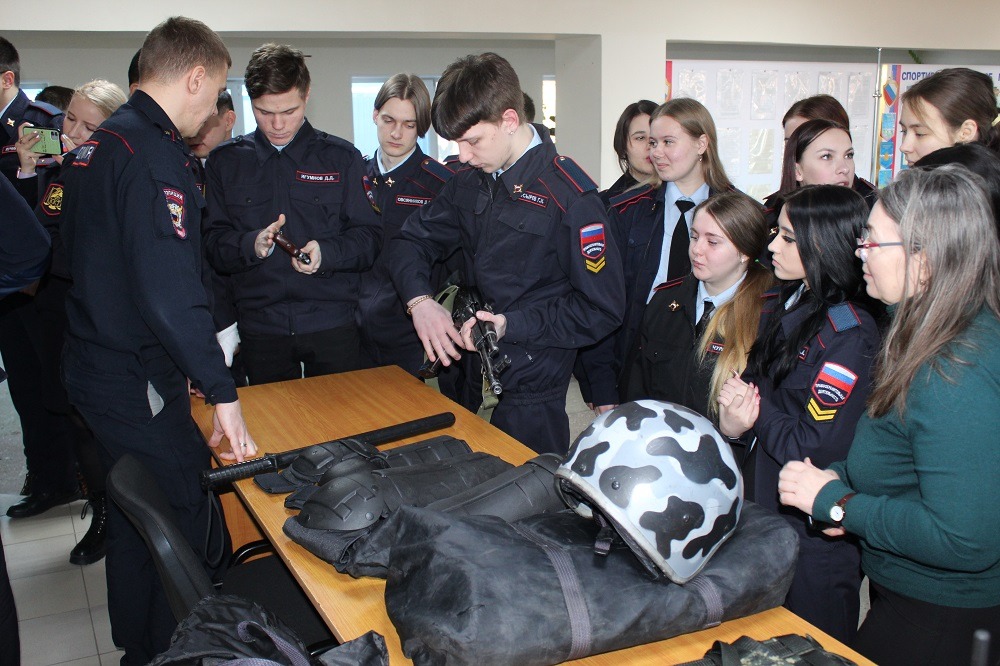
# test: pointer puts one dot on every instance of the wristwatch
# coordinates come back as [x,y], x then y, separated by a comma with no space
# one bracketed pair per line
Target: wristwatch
[839,510]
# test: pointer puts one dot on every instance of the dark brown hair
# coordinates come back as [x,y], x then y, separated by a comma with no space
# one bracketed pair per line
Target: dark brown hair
[796,146]
[959,94]
[10,60]
[818,107]
[275,69]
[475,89]
[643,106]
[176,46]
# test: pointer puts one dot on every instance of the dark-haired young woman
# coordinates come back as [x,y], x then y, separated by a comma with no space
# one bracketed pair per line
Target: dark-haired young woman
[952,106]
[631,145]
[805,386]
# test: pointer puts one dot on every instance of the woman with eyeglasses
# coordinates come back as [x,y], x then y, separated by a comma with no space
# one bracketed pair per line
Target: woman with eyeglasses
[805,386]
[631,144]
[921,485]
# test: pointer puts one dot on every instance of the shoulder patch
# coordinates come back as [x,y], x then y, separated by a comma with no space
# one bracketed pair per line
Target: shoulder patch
[833,385]
[592,246]
[843,317]
[84,153]
[52,200]
[629,196]
[436,169]
[572,172]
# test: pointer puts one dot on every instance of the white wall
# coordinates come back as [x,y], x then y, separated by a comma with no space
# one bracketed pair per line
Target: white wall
[632,38]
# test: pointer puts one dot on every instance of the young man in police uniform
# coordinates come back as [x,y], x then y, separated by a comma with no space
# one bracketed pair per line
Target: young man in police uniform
[533,236]
[400,179]
[307,184]
[139,321]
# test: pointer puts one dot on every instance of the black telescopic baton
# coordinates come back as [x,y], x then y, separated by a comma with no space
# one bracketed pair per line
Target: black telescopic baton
[272,462]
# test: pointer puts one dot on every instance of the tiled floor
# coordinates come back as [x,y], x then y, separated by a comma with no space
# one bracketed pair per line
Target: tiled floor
[61,608]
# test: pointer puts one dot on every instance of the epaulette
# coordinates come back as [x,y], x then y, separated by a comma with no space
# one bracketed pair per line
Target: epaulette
[436,169]
[843,317]
[576,176]
[452,159]
[629,196]
[229,142]
[771,293]
[46,107]
[669,284]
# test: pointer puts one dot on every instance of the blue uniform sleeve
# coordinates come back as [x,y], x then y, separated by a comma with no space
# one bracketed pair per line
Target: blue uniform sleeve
[353,249]
[164,269]
[794,424]
[596,304]
[24,244]
[229,249]
[429,235]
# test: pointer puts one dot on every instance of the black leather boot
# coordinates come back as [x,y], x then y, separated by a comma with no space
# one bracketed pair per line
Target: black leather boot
[92,546]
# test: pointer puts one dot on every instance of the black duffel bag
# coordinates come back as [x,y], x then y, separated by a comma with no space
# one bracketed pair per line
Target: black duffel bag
[479,590]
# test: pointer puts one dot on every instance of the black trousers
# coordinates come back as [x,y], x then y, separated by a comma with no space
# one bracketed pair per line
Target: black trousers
[10,647]
[826,588]
[126,418]
[900,630]
[48,436]
[278,358]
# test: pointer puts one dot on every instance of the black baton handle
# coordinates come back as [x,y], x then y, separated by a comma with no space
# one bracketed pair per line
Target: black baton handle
[275,461]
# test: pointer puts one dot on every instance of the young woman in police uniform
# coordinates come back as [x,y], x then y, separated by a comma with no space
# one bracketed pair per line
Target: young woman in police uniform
[805,386]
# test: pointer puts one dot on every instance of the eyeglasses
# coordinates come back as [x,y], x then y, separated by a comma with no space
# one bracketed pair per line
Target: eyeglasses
[864,245]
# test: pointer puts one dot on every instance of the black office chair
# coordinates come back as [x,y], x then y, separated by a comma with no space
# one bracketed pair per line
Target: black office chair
[265,580]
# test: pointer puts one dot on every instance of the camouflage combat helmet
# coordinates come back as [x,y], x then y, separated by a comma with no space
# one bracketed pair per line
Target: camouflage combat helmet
[664,478]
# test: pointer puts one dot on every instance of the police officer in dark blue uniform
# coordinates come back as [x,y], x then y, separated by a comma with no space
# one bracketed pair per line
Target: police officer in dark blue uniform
[807,379]
[306,184]
[139,321]
[534,241]
[16,109]
[400,179]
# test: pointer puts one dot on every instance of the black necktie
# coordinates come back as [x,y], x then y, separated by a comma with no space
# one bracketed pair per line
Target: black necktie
[680,263]
[706,315]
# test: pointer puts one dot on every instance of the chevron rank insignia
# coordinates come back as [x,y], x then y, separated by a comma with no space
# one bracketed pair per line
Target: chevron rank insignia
[818,413]
[592,246]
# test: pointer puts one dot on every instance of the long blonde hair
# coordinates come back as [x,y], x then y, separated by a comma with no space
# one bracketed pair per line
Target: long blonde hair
[945,215]
[106,96]
[742,221]
[696,121]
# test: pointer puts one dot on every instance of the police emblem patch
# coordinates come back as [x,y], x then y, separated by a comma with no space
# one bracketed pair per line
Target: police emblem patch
[175,206]
[833,385]
[52,200]
[592,246]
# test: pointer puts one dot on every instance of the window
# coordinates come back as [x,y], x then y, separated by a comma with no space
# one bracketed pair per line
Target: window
[32,88]
[245,122]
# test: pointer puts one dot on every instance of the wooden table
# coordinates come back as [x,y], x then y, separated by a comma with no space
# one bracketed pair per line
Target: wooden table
[293,414]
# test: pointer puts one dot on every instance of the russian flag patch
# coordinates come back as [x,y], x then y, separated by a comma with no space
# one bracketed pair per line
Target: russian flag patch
[833,385]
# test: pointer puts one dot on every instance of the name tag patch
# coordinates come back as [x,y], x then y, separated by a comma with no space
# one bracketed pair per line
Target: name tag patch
[534,198]
[175,206]
[9,149]
[84,153]
[714,348]
[306,177]
[408,200]
[592,246]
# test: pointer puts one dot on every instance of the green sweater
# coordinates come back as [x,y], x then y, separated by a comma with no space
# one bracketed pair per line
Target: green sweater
[928,504]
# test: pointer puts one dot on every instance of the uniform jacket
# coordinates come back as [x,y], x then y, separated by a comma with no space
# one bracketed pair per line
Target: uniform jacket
[540,253]
[636,216]
[23,110]
[814,410]
[316,181]
[24,245]
[772,203]
[130,218]
[663,364]
[386,332]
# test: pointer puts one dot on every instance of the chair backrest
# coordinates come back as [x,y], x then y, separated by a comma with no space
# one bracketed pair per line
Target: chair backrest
[137,494]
